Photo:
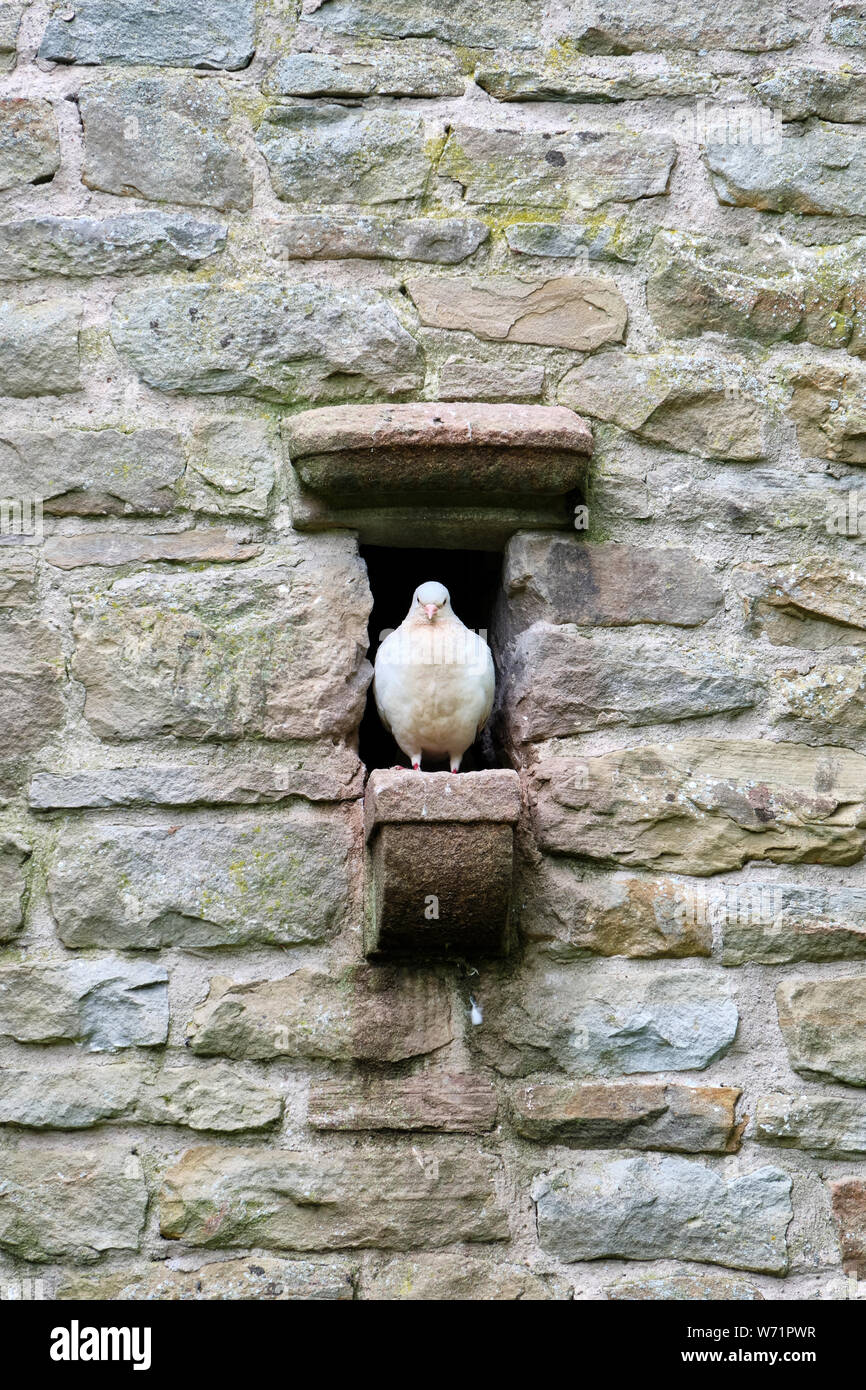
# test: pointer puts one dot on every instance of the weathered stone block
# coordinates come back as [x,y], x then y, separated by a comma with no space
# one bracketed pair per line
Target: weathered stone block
[325,237]
[559,683]
[558,76]
[70,1205]
[68,1096]
[586,1024]
[597,238]
[312,771]
[780,922]
[80,246]
[232,468]
[298,343]
[33,677]
[113,548]
[571,916]
[689,1288]
[822,1023]
[14,854]
[208,1098]
[848,1196]
[571,311]
[394,70]
[692,403]
[834,94]
[828,704]
[167,34]
[279,1200]
[458,1278]
[681,1119]
[261,1279]
[704,806]
[814,603]
[165,139]
[107,1004]
[825,1125]
[94,472]
[334,154]
[39,348]
[827,406]
[506,22]
[377,1014]
[282,881]
[446,1103]
[440,862]
[10,21]
[625,26]
[820,171]
[583,169]
[29,143]
[257,652]
[560,579]
[847,26]
[460,380]
[665,1208]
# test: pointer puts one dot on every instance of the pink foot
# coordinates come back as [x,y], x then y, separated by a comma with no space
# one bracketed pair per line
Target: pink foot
[416,767]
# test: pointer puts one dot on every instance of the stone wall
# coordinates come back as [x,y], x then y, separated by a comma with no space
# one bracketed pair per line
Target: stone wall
[218,216]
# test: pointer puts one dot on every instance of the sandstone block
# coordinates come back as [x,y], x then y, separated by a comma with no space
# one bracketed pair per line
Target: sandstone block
[336,154]
[94,472]
[822,1023]
[29,143]
[39,348]
[170,34]
[139,242]
[70,1205]
[680,1119]
[437,1101]
[106,1004]
[571,311]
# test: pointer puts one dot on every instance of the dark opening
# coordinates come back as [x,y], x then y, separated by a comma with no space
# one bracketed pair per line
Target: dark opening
[472,578]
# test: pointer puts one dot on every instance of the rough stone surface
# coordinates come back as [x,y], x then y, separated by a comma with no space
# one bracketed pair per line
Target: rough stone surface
[106,1004]
[369,1013]
[214,1098]
[562,683]
[167,34]
[262,1279]
[223,654]
[233,467]
[829,703]
[822,1025]
[442,240]
[681,1119]
[280,1200]
[163,139]
[394,70]
[556,77]
[570,916]
[334,154]
[461,22]
[827,408]
[624,26]
[431,797]
[849,1211]
[686,1288]
[821,171]
[74,1205]
[461,380]
[564,1019]
[10,21]
[568,312]
[458,1278]
[825,1125]
[280,881]
[691,403]
[451,1104]
[834,94]
[846,26]
[668,1208]
[303,343]
[39,348]
[814,603]
[741,800]
[102,472]
[560,579]
[783,922]
[580,169]
[14,855]
[114,548]
[80,246]
[29,143]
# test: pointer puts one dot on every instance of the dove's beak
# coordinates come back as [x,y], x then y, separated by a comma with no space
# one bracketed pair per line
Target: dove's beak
[430,609]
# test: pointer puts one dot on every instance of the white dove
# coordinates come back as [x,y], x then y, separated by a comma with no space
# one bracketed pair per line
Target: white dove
[433,680]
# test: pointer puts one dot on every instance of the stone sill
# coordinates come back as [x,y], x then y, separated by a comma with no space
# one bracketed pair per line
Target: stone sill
[400,796]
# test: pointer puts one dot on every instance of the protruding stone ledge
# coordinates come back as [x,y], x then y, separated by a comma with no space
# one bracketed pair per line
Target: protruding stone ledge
[441,472]
[440,862]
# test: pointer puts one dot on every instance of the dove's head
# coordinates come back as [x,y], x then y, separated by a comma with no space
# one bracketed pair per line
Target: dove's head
[432,599]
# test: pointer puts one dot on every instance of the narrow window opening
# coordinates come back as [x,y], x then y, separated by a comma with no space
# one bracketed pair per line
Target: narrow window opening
[472,578]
